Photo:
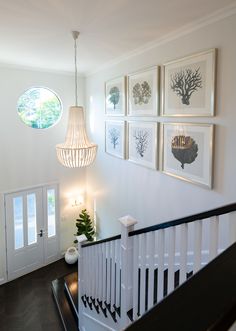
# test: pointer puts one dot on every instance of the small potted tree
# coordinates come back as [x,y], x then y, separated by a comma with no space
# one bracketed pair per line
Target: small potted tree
[85,226]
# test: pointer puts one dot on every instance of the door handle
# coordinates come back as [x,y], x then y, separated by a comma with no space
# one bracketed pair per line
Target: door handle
[40,234]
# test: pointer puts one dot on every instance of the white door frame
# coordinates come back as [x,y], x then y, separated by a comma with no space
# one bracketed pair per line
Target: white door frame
[44,188]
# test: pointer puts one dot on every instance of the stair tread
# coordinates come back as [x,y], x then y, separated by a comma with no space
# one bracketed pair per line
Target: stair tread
[67,317]
[71,286]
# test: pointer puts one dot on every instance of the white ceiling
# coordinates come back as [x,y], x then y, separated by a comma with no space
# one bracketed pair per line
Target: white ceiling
[36,33]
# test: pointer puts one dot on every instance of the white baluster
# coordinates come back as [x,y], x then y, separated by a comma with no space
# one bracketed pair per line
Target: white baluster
[214,237]
[99,272]
[127,225]
[84,270]
[108,251]
[171,260]
[197,246]
[93,275]
[150,262]
[135,276]
[81,276]
[92,271]
[88,271]
[161,251]
[104,273]
[117,273]
[232,227]
[183,252]
[98,275]
[155,264]
[113,277]
[143,253]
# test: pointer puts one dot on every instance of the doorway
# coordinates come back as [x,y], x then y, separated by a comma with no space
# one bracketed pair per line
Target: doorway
[32,229]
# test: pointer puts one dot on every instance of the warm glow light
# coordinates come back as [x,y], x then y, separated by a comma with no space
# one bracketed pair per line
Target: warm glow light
[78,201]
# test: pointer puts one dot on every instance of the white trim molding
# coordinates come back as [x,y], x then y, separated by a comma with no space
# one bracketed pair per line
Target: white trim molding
[184,30]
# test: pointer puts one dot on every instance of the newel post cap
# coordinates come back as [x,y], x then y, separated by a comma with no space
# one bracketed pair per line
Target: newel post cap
[127,221]
[81,238]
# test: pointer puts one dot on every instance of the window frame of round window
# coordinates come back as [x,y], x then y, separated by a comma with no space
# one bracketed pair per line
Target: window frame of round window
[31,125]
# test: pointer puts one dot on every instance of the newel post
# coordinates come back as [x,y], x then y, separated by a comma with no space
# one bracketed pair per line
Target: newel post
[82,238]
[127,225]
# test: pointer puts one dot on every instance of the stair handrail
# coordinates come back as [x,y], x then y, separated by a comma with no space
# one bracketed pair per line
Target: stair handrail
[187,219]
[101,241]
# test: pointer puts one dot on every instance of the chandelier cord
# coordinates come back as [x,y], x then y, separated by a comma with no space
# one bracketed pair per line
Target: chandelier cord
[76,73]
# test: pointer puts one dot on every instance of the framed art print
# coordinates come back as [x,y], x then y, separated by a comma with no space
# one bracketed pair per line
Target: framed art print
[115,138]
[186,151]
[143,92]
[115,95]
[142,143]
[189,85]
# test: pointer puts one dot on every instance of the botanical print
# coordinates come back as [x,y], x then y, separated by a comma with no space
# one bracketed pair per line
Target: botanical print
[115,97]
[114,138]
[141,140]
[189,86]
[184,149]
[142,143]
[187,151]
[185,82]
[142,92]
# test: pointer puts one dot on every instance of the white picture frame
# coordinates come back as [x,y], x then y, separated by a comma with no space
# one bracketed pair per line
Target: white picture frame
[188,85]
[187,152]
[142,143]
[143,92]
[115,138]
[115,97]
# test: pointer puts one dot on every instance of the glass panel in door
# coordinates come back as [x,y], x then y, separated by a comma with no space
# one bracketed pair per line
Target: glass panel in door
[18,222]
[31,218]
[51,212]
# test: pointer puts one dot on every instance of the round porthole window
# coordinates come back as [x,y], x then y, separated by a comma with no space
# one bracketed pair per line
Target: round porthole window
[39,108]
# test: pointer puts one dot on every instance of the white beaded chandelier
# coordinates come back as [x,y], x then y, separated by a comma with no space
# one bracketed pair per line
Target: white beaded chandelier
[76,151]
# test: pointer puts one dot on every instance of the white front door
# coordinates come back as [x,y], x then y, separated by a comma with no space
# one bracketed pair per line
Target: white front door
[31,229]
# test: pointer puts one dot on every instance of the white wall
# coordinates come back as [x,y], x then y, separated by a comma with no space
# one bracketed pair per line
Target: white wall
[123,188]
[28,155]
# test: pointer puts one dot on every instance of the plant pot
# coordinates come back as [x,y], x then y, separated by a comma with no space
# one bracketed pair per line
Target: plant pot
[71,255]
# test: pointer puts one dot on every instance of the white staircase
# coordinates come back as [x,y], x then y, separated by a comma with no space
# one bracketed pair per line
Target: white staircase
[122,277]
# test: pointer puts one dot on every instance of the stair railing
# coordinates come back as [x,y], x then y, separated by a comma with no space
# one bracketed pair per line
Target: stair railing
[122,277]
[206,302]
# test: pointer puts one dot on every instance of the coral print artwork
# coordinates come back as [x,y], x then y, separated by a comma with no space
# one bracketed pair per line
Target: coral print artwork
[115,138]
[143,92]
[143,143]
[187,152]
[115,96]
[189,86]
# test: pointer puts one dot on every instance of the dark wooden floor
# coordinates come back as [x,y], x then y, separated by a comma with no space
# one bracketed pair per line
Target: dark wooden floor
[27,304]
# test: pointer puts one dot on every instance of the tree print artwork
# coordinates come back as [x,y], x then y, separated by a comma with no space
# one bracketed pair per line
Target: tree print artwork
[114,135]
[141,141]
[185,82]
[114,96]
[142,93]
[184,149]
